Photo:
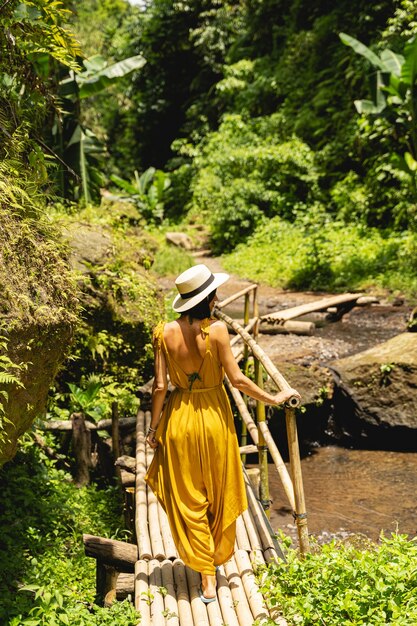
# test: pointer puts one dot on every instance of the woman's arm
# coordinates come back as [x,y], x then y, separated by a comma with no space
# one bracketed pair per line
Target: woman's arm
[238,378]
[159,391]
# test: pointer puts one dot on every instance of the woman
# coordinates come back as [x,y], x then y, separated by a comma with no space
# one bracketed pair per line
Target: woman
[196,472]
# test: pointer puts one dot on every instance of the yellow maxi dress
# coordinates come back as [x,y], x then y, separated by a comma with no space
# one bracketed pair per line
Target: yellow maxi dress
[196,472]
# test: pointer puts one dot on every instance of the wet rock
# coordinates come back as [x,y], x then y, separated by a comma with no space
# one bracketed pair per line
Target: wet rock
[376,389]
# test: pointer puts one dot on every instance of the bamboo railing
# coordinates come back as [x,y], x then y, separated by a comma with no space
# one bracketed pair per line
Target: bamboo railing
[261,434]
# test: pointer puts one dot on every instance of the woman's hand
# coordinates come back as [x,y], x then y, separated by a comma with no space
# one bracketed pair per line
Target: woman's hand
[151,441]
[284,396]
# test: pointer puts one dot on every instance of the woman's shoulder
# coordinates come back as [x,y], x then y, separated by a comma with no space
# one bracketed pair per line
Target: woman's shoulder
[218,329]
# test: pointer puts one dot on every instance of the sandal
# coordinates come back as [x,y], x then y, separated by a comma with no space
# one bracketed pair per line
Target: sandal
[203,597]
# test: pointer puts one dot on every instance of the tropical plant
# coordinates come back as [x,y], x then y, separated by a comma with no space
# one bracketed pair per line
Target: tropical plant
[86,399]
[394,98]
[78,146]
[147,192]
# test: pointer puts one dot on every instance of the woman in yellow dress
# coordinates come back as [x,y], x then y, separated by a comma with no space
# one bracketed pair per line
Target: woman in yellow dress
[196,472]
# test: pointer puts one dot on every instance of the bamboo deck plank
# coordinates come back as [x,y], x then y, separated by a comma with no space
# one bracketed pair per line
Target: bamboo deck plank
[142,592]
[170,599]
[166,591]
[157,600]
[183,597]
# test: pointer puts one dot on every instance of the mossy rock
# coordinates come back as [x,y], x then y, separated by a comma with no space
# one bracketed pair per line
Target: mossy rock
[121,301]
[38,314]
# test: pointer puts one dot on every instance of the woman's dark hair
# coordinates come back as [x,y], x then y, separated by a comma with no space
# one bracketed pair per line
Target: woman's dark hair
[201,310]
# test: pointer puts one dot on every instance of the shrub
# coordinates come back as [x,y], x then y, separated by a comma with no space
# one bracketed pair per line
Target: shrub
[248,170]
[341,584]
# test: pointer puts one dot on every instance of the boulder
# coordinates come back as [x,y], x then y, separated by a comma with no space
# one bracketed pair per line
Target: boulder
[179,239]
[376,389]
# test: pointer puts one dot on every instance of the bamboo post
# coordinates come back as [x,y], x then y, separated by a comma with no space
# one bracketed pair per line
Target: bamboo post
[244,434]
[262,447]
[297,480]
[256,313]
[115,436]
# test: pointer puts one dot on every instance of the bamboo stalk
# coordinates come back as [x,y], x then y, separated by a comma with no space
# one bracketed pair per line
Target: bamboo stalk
[271,555]
[142,600]
[261,527]
[169,545]
[256,313]
[251,530]
[197,607]
[257,558]
[279,463]
[243,450]
[253,595]
[241,535]
[240,600]
[235,296]
[297,479]
[273,450]
[155,532]
[155,584]
[257,351]
[243,410]
[224,595]
[262,448]
[115,435]
[170,600]
[141,518]
[252,323]
[183,598]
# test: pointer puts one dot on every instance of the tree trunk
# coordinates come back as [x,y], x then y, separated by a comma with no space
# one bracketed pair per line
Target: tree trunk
[81,447]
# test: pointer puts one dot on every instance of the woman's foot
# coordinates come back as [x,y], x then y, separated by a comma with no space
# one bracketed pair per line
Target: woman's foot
[208,587]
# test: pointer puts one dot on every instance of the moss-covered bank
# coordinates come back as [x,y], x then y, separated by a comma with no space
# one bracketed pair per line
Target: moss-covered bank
[38,313]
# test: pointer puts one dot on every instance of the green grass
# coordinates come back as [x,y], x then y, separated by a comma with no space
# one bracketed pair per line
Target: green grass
[329,256]
[341,584]
[45,578]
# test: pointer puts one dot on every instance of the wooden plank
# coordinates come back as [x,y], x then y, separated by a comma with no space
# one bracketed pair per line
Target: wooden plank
[119,554]
[310,307]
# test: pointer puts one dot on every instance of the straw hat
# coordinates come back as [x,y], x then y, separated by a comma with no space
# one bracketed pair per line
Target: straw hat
[194,285]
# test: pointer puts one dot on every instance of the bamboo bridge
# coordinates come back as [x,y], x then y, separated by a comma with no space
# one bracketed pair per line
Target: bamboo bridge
[164,590]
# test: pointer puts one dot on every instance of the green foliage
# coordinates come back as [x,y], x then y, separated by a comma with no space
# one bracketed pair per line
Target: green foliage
[45,578]
[341,584]
[147,192]
[171,261]
[322,254]
[248,170]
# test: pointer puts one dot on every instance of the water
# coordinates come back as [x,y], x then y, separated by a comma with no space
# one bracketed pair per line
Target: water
[361,491]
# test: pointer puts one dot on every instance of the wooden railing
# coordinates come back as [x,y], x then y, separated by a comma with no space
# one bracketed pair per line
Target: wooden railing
[260,433]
